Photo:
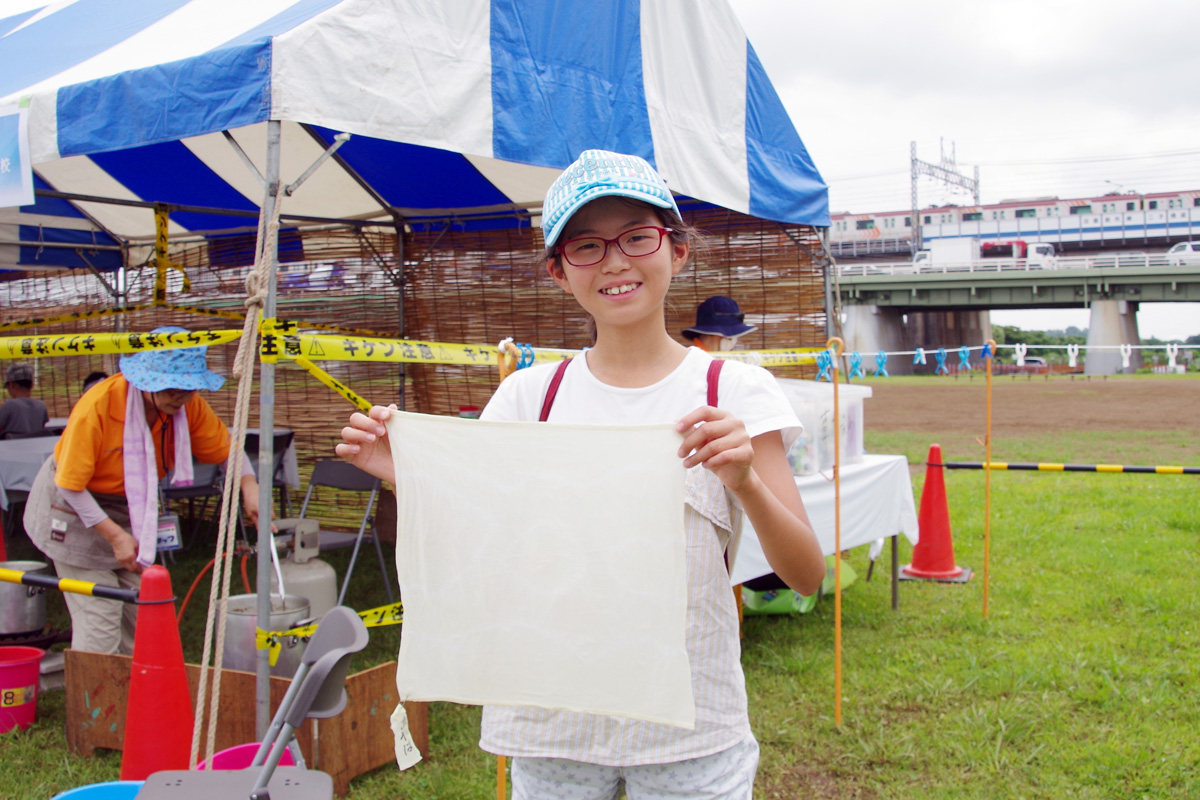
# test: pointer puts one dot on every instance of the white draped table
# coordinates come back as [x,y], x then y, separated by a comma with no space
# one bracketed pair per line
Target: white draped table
[20,460]
[877,503]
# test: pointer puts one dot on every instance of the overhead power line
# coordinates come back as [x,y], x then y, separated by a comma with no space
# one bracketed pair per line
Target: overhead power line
[1089,160]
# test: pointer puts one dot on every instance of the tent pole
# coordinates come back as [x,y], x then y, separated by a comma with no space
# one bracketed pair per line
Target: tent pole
[266,456]
[400,308]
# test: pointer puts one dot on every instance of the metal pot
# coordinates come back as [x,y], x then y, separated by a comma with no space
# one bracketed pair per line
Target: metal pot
[23,608]
[241,622]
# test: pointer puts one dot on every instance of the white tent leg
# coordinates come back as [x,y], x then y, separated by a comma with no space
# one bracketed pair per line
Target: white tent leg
[266,455]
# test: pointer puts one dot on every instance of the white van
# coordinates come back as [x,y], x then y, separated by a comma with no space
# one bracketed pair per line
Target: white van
[1184,253]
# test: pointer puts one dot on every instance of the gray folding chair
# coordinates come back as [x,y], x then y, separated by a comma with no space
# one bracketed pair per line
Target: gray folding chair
[336,474]
[208,484]
[281,442]
[318,690]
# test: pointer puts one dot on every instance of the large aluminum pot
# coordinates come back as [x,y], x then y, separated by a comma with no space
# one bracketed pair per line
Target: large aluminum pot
[240,625]
[23,608]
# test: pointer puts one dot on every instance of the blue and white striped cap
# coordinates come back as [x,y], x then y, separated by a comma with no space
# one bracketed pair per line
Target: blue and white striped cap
[599,173]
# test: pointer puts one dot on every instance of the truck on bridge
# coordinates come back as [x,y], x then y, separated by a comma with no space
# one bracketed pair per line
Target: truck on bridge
[964,252]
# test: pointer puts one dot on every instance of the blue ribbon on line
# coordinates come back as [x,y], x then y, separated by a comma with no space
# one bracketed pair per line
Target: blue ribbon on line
[824,364]
[881,364]
[856,365]
[941,359]
[964,357]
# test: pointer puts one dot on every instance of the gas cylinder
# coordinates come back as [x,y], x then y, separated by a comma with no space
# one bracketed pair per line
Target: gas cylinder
[304,574]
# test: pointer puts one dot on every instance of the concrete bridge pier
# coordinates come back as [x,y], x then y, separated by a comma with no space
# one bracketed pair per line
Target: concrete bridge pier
[869,329]
[1112,323]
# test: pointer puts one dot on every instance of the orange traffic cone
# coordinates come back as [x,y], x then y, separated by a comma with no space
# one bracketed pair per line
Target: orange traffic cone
[933,555]
[158,719]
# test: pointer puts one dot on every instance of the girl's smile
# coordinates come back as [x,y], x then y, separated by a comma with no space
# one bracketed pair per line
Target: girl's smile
[620,290]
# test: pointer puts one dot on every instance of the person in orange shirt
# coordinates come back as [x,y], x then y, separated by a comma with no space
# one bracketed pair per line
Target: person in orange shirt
[93,509]
[718,325]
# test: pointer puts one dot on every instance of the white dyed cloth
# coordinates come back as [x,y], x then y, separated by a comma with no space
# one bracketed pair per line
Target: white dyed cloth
[542,565]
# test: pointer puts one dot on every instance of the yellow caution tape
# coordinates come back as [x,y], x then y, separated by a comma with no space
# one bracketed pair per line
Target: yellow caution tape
[774,358]
[81,344]
[358,348]
[333,383]
[72,317]
[281,339]
[162,261]
[292,326]
[207,312]
[373,618]
[277,345]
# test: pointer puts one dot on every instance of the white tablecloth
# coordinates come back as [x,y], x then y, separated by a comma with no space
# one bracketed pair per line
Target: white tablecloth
[20,460]
[877,501]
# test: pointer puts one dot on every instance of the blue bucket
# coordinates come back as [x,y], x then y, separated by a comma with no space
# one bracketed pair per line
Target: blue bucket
[111,790]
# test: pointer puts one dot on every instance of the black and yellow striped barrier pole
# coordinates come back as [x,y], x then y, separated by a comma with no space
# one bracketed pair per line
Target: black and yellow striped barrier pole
[1051,467]
[71,585]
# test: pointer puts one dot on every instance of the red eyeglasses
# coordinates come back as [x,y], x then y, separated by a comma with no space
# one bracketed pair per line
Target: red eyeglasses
[588,251]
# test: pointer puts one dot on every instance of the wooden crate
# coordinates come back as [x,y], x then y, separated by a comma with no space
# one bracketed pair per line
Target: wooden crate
[355,741]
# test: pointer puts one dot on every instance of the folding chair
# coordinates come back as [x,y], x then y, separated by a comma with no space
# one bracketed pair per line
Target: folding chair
[281,442]
[337,474]
[318,690]
[208,483]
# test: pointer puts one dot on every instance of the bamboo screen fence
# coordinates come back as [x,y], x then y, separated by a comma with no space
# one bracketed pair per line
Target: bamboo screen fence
[452,285]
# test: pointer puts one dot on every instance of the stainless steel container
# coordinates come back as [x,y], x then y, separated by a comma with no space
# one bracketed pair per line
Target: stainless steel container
[23,608]
[240,625]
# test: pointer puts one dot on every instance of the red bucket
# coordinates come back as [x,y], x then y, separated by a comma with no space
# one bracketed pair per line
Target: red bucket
[18,686]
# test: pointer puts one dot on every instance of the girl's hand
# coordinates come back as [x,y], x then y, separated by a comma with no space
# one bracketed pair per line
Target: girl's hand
[365,444]
[718,440]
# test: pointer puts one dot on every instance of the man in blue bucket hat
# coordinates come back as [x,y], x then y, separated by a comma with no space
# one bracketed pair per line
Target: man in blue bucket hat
[93,509]
[719,322]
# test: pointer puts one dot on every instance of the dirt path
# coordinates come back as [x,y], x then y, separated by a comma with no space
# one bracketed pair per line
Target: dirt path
[1024,406]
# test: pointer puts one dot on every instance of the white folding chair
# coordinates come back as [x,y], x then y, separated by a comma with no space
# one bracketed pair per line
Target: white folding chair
[318,690]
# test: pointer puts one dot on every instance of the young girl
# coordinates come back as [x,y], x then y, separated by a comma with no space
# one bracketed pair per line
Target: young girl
[614,239]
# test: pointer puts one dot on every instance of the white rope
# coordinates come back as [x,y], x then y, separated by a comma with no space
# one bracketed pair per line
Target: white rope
[243,369]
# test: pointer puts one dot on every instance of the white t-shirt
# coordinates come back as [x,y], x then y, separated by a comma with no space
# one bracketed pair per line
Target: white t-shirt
[710,518]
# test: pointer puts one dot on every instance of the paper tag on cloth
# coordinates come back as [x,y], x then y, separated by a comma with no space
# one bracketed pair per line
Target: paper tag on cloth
[407,753]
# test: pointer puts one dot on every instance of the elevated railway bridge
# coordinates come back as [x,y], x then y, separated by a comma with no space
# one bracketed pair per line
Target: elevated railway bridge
[947,305]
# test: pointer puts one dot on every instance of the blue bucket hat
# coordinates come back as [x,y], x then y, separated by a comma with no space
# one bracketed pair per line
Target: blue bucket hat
[600,173]
[718,316]
[178,368]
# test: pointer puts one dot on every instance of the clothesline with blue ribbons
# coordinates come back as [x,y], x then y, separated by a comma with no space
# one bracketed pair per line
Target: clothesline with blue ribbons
[1020,350]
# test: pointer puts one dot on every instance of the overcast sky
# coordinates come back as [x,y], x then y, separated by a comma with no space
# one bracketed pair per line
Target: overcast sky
[1066,98]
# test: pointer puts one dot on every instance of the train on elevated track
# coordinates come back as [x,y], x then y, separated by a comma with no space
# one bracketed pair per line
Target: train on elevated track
[1128,219]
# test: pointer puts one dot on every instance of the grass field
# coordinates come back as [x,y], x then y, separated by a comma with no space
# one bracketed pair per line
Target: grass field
[1081,682]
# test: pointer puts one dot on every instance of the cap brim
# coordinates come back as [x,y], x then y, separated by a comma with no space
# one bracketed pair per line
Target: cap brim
[731,332]
[614,191]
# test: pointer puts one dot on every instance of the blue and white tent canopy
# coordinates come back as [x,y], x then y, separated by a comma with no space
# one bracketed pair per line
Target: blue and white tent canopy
[456,107]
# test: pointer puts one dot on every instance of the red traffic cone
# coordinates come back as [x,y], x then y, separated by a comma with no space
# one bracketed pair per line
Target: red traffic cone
[158,719]
[933,555]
